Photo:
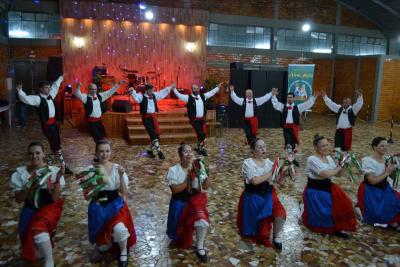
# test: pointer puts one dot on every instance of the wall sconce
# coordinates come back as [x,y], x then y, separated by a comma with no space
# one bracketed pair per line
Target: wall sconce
[79,42]
[190,47]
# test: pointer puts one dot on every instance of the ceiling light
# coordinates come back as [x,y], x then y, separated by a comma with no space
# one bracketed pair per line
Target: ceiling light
[306,27]
[149,15]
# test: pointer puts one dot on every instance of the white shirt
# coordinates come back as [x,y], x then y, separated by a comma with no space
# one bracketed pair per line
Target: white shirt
[151,107]
[315,166]
[343,122]
[249,110]
[301,107]
[34,100]
[96,112]
[199,101]
[370,166]
[177,175]
[113,179]
[21,177]
[250,169]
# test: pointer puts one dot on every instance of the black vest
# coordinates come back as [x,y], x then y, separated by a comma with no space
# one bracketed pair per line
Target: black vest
[43,109]
[261,189]
[89,105]
[295,115]
[255,108]
[143,104]
[350,113]
[191,106]
[44,200]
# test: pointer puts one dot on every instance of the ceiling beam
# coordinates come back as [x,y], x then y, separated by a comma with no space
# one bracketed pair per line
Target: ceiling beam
[387,8]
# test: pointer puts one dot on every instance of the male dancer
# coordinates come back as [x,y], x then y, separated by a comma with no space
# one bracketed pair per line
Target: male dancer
[47,114]
[196,110]
[149,110]
[345,119]
[249,109]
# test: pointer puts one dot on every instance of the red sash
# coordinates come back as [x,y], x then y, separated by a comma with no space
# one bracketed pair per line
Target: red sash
[295,128]
[105,235]
[195,210]
[45,220]
[155,121]
[253,122]
[93,119]
[51,121]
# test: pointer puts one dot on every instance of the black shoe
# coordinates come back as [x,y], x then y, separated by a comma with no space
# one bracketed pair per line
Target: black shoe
[161,155]
[68,170]
[296,163]
[342,235]
[123,263]
[150,154]
[277,245]
[202,258]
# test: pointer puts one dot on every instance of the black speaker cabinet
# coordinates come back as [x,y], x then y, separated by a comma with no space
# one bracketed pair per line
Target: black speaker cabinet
[236,65]
[123,106]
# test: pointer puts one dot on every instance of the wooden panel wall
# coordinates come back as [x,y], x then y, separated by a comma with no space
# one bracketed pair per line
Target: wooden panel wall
[345,79]
[3,70]
[367,85]
[137,46]
[389,104]
[21,52]
[322,81]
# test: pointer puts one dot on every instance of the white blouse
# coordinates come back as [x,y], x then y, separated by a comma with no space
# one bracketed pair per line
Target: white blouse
[177,175]
[113,179]
[250,169]
[315,166]
[21,177]
[371,166]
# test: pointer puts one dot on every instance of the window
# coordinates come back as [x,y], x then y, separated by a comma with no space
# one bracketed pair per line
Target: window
[361,45]
[316,42]
[239,36]
[33,25]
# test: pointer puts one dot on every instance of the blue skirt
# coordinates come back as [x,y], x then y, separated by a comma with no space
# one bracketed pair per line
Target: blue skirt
[255,209]
[98,215]
[174,213]
[24,220]
[318,205]
[380,205]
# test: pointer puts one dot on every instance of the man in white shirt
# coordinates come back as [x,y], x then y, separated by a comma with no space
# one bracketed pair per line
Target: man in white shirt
[290,118]
[249,110]
[196,111]
[95,105]
[149,110]
[44,102]
[345,119]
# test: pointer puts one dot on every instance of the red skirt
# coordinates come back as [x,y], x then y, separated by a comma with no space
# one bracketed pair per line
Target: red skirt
[343,214]
[195,210]
[124,216]
[264,233]
[45,220]
[253,122]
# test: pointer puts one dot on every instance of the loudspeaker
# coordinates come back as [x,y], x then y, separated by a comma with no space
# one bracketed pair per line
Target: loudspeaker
[54,68]
[123,106]
[236,65]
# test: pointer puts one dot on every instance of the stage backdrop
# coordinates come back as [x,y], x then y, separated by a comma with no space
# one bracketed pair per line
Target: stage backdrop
[141,46]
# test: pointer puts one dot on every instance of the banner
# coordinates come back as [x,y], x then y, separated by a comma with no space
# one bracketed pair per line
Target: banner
[300,81]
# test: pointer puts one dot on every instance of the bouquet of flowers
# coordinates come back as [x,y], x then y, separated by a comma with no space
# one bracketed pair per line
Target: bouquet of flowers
[281,165]
[348,160]
[396,172]
[92,180]
[35,183]
[197,175]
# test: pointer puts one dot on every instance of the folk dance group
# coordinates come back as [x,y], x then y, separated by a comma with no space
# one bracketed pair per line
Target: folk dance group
[327,208]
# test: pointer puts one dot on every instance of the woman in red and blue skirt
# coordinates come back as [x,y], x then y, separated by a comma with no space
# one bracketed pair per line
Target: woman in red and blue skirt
[378,201]
[260,209]
[327,208]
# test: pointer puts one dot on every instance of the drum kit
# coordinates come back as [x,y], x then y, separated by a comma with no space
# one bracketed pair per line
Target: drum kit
[138,81]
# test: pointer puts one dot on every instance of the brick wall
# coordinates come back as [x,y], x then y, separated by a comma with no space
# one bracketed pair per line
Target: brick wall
[318,11]
[352,19]
[388,104]
[3,70]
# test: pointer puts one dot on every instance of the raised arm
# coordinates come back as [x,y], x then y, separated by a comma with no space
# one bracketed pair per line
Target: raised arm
[138,97]
[307,104]
[182,97]
[331,105]
[33,100]
[235,98]
[107,94]
[56,86]
[276,104]
[261,100]
[212,92]
[78,94]
[164,92]
[358,105]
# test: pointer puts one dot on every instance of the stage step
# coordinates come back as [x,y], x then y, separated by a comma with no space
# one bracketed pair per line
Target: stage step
[161,121]
[164,129]
[175,138]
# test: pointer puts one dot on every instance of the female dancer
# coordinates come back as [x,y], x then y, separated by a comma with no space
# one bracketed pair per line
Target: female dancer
[378,201]
[327,208]
[110,221]
[187,208]
[259,205]
[39,187]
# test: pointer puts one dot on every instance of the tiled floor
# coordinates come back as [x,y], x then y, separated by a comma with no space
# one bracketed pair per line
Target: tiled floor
[149,196]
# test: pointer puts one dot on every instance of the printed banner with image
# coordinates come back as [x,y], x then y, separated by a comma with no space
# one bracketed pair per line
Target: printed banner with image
[300,81]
